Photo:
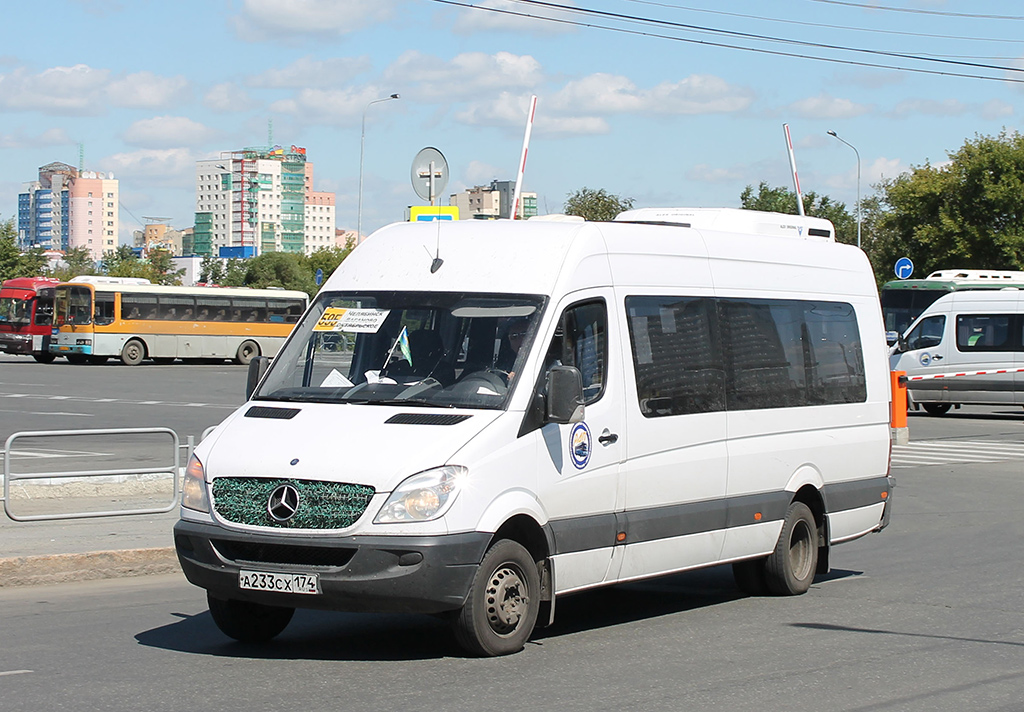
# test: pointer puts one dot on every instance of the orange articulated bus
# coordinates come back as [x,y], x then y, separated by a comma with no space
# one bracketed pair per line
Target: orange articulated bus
[96,318]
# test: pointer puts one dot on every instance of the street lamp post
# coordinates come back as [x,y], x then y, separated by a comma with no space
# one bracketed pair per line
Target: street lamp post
[834,135]
[362,140]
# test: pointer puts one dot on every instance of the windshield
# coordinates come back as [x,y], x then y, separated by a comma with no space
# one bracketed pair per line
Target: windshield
[901,306]
[14,311]
[443,349]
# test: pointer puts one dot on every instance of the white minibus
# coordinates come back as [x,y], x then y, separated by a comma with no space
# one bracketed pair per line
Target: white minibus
[475,419]
[964,348]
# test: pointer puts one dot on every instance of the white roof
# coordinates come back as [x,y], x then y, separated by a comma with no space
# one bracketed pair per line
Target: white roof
[753,222]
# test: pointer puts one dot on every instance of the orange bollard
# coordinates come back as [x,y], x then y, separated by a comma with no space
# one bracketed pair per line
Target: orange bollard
[898,415]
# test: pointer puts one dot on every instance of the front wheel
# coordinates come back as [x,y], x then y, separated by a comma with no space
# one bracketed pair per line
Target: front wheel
[133,352]
[501,609]
[936,408]
[248,622]
[247,352]
[790,569]
[43,356]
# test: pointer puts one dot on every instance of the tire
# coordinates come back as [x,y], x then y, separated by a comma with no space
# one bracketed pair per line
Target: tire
[133,352]
[43,357]
[501,609]
[936,408]
[750,577]
[77,358]
[248,622]
[247,351]
[97,359]
[790,569]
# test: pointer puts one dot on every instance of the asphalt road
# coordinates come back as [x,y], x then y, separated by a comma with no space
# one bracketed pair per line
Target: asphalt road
[927,615]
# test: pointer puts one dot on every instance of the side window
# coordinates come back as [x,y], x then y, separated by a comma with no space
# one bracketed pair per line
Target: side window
[676,356]
[927,334]
[103,308]
[984,332]
[581,340]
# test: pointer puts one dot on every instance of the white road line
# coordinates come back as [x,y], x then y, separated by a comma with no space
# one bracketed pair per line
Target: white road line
[79,399]
[15,672]
[950,452]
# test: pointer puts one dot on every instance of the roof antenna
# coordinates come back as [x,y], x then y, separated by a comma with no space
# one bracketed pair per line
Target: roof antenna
[437,262]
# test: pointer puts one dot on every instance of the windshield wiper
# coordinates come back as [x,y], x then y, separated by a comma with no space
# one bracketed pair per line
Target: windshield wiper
[418,402]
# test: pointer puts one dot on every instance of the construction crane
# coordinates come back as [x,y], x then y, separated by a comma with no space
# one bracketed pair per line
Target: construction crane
[155,220]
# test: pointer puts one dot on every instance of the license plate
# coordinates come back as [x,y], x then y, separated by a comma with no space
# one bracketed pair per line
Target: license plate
[279,583]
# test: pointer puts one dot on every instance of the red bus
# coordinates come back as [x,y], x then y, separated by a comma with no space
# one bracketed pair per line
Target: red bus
[26,317]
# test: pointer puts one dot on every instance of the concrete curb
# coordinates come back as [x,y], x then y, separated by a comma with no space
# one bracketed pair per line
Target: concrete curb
[91,566]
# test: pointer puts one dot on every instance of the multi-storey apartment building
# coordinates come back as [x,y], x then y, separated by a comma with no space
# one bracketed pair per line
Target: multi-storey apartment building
[494,201]
[66,208]
[260,200]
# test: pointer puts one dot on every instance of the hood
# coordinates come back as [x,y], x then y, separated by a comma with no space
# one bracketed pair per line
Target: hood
[338,442]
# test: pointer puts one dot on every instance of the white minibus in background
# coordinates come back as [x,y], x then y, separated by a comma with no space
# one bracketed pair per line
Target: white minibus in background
[973,342]
[474,419]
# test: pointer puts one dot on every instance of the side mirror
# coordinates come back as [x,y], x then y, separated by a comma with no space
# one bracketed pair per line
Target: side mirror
[564,391]
[901,344]
[257,368]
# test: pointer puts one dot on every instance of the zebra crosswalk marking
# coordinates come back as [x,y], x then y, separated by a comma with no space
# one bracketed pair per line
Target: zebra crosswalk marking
[948,452]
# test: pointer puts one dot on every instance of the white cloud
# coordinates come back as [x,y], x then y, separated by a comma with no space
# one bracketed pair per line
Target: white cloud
[498,19]
[227,97]
[883,168]
[510,110]
[328,106]
[49,137]
[167,131]
[145,90]
[705,173]
[480,173]
[613,94]
[308,72]
[167,167]
[930,107]
[825,106]
[996,109]
[289,20]
[465,75]
[76,90]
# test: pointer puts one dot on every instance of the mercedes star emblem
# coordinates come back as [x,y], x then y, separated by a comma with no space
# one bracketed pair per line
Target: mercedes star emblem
[283,503]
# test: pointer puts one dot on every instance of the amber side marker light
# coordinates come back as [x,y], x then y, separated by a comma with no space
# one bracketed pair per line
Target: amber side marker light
[757,516]
[885,495]
[621,536]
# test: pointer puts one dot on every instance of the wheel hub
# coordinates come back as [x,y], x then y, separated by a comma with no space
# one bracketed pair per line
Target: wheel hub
[507,600]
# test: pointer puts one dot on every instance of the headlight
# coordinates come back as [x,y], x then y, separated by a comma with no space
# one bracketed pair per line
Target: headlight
[193,489]
[423,497]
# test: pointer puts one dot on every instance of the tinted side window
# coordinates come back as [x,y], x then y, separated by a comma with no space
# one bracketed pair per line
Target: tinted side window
[927,334]
[103,308]
[984,332]
[676,355]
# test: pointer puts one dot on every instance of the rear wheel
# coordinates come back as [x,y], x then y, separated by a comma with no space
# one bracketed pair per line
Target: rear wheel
[501,609]
[789,570]
[936,408]
[247,352]
[248,622]
[43,356]
[133,352]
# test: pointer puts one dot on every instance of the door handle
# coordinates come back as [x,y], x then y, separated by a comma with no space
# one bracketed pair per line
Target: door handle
[607,437]
[937,357]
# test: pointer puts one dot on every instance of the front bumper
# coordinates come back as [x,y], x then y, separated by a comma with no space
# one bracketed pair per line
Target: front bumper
[383,574]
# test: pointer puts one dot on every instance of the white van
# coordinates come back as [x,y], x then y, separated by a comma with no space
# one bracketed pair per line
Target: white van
[474,419]
[964,348]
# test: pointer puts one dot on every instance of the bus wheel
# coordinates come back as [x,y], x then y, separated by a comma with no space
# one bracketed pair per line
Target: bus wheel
[248,622]
[790,569]
[936,408]
[43,357]
[77,358]
[247,352]
[501,609]
[133,353]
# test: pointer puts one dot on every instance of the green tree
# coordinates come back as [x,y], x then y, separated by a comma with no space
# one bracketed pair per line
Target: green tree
[211,271]
[13,262]
[328,258]
[234,273]
[966,214]
[280,269]
[161,268]
[123,262]
[77,261]
[783,200]
[596,205]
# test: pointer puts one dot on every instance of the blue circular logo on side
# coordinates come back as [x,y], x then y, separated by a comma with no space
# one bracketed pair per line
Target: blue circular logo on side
[579,445]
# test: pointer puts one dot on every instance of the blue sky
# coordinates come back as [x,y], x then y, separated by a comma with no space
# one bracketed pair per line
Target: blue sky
[150,87]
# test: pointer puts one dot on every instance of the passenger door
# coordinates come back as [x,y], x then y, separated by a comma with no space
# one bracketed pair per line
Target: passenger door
[926,353]
[676,471]
[579,462]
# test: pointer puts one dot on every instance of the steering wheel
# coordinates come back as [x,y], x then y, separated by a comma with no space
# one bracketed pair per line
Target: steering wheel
[494,378]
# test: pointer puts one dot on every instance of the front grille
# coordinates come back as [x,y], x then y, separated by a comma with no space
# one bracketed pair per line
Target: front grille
[322,505]
[246,552]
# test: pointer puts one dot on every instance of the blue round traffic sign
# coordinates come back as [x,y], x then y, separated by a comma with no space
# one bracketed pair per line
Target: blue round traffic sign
[904,268]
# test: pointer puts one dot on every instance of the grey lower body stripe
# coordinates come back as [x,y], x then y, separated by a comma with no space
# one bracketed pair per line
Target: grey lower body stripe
[598,531]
